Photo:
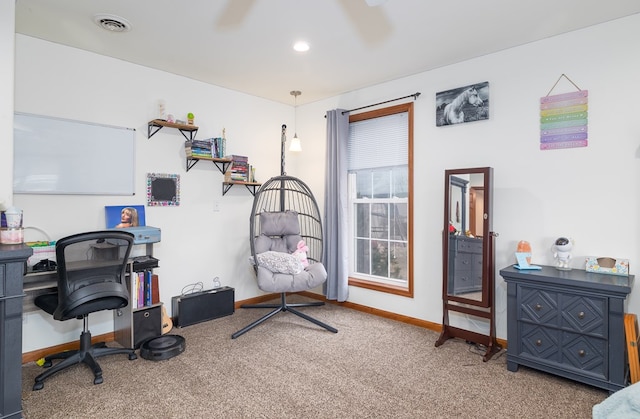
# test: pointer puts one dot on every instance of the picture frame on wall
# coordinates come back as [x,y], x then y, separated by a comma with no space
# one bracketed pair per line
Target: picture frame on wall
[463,104]
[163,189]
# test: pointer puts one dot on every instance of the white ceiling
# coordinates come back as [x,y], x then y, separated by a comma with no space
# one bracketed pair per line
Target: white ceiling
[246,45]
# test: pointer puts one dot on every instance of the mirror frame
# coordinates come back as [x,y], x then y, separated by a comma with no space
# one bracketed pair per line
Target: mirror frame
[483,308]
[487,254]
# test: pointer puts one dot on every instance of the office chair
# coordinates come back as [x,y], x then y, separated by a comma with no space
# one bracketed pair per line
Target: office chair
[91,277]
[285,213]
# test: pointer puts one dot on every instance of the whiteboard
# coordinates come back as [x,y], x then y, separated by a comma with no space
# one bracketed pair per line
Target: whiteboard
[62,156]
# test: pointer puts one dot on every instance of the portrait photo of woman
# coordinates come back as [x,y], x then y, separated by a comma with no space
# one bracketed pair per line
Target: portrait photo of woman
[128,217]
[124,216]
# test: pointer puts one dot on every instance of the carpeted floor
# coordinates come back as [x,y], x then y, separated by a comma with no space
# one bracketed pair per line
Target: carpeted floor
[289,368]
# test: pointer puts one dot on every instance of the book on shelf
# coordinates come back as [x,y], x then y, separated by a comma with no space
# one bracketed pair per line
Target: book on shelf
[219,147]
[147,288]
[237,158]
[140,290]
[155,290]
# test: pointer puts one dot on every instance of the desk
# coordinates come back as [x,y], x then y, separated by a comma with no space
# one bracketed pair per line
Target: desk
[12,261]
[35,284]
[38,283]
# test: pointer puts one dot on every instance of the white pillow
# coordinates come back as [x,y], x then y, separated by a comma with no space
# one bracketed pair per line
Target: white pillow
[279,262]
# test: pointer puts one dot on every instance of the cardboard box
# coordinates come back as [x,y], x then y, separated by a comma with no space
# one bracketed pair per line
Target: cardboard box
[606,265]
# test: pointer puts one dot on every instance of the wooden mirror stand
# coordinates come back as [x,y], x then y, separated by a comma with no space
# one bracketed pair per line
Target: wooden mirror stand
[468,262]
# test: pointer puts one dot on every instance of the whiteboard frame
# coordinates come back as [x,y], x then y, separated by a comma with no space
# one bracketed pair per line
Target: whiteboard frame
[68,157]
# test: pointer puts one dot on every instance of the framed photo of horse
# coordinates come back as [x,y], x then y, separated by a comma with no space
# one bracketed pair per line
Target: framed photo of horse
[464,104]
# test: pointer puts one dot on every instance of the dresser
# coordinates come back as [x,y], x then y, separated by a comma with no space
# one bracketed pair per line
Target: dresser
[465,264]
[12,263]
[568,323]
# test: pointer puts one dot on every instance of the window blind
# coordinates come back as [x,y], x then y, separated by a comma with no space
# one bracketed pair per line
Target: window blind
[378,142]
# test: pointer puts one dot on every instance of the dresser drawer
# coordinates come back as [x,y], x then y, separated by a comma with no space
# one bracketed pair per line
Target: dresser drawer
[585,354]
[540,342]
[581,354]
[571,312]
[467,246]
[584,314]
[538,306]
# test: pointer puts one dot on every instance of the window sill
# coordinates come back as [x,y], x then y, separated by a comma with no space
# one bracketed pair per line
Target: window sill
[377,286]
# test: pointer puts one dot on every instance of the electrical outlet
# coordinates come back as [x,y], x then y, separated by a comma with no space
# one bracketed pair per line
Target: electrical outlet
[216,206]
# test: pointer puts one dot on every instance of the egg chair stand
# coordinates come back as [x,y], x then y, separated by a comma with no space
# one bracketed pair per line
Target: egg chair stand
[282,307]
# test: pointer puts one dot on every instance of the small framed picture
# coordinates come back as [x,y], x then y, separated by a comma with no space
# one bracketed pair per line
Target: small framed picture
[121,216]
[464,104]
[163,189]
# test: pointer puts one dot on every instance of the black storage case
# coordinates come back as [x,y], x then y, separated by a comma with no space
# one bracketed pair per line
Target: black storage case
[147,324]
[202,306]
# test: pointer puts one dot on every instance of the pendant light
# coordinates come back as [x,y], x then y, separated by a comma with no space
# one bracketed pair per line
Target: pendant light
[295,142]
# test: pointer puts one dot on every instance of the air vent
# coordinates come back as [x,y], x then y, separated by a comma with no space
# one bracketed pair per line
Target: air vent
[112,23]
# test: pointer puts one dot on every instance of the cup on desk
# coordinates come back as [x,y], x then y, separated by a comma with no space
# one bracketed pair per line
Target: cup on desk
[11,231]
[12,218]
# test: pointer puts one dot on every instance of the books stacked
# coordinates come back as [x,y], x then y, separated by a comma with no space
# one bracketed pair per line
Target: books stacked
[207,148]
[239,169]
[199,148]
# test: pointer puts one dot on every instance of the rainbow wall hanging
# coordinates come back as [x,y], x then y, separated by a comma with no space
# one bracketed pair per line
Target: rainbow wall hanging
[563,119]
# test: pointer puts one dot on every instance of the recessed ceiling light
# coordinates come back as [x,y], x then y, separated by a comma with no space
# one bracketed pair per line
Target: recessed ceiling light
[112,23]
[301,46]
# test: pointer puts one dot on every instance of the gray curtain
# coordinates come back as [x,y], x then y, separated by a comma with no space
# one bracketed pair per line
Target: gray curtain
[336,241]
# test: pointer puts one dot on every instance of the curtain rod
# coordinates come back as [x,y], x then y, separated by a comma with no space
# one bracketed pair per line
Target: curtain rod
[414,96]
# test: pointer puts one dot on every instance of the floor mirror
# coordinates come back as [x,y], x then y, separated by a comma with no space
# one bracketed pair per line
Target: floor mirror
[467,259]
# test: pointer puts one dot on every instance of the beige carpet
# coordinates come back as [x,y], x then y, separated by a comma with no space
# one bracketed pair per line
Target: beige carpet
[289,368]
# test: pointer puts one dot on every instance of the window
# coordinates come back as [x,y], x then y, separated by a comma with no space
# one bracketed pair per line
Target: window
[380,188]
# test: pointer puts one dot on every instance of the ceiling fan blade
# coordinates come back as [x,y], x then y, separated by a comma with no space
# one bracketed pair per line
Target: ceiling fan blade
[234,13]
[371,23]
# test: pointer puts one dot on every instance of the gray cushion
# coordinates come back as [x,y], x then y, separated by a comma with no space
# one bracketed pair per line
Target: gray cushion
[279,223]
[286,244]
[280,233]
[311,277]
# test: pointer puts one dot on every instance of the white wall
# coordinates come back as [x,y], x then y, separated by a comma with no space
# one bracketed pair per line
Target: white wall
[7,36]
[197,243]
[589,194]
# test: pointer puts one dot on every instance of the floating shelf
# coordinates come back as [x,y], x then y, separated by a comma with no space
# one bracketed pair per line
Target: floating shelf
[251,186]
[157,124]
[189,132]
[221,163]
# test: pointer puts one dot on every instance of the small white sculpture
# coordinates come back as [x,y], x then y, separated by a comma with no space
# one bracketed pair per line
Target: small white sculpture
[562,253]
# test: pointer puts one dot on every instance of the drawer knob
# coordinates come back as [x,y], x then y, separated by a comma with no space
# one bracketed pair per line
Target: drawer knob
[538,307]
[581,315]
[539,342]
[582,353]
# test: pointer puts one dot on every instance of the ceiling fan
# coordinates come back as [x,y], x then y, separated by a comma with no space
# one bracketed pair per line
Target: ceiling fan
[374,3]
[370,22]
